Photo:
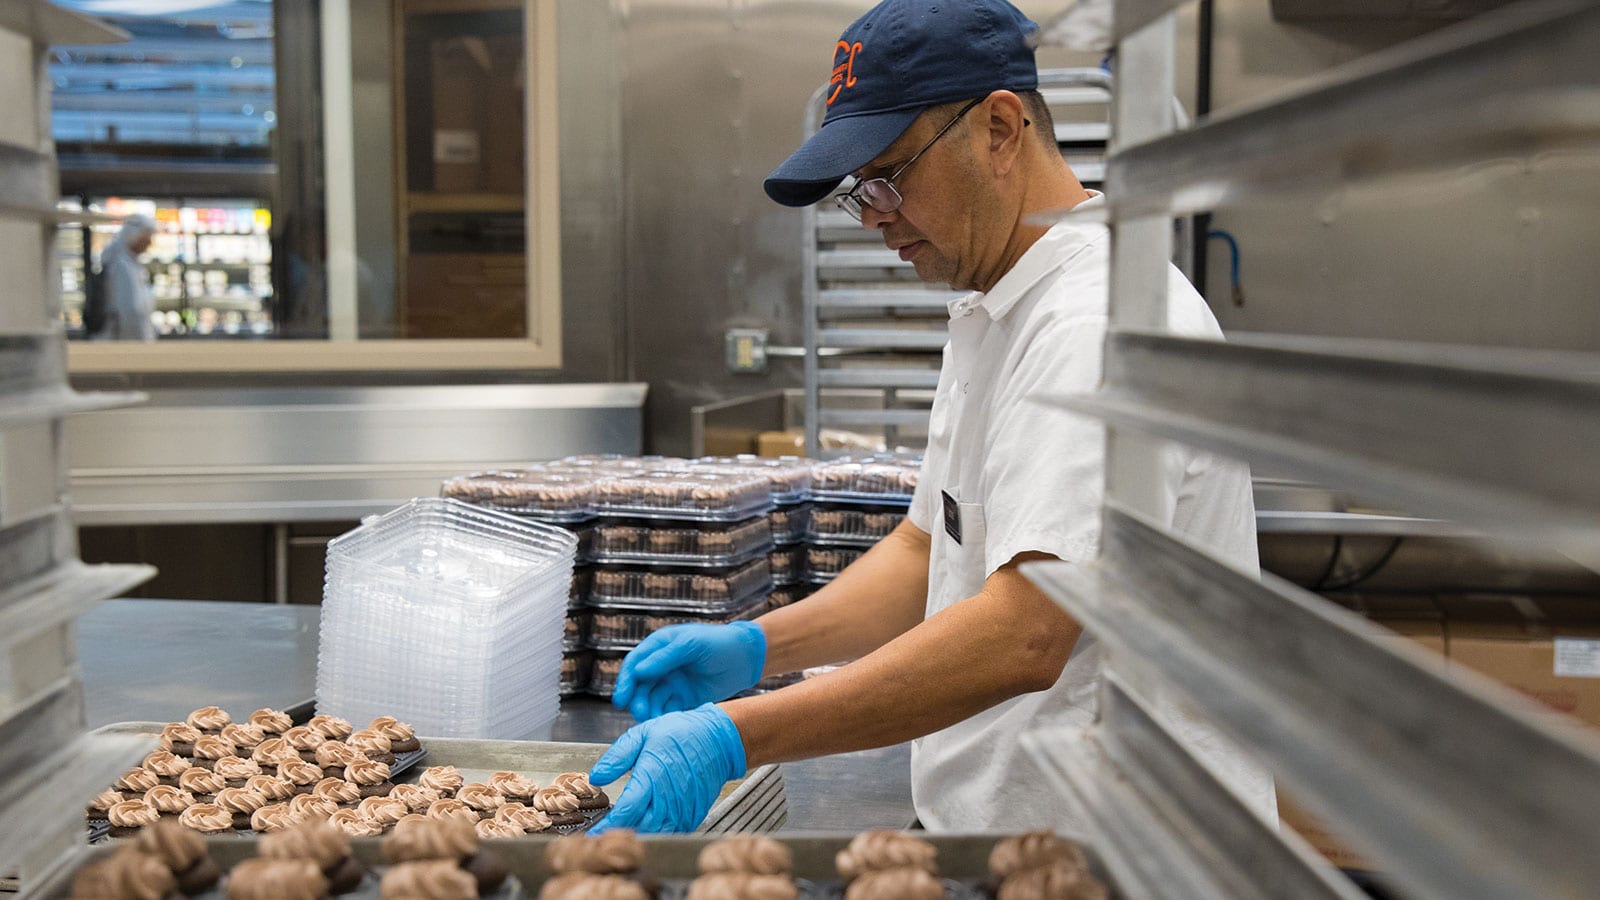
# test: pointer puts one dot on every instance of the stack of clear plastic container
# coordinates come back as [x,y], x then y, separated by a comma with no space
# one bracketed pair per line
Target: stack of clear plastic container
[791,480]
[679,542]
[559,493]
[859,500]
[448,616]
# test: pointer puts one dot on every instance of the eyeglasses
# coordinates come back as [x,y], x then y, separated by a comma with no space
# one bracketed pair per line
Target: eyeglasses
[880,193]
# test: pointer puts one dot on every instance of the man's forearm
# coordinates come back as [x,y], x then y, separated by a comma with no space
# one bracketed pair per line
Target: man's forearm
[1008,640]
[879,597]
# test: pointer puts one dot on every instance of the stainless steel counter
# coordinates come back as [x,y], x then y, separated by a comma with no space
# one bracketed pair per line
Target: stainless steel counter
[155,660]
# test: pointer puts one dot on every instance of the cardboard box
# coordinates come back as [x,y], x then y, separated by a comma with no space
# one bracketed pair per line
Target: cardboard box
[781,443]
[1424,627]
[505,135]
[466,295]
[460,114]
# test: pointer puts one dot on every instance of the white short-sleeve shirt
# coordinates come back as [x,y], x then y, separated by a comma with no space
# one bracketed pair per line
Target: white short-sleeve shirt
[1011,474]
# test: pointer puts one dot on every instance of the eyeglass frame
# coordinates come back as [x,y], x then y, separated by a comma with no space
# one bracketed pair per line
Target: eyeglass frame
[853,196]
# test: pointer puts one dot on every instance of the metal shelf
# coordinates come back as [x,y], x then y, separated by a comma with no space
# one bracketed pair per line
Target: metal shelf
[65,592]
[1494,439]
[1321,698]
[921,379]
[882,298]
[882,339]
[1516,81]
[846,418]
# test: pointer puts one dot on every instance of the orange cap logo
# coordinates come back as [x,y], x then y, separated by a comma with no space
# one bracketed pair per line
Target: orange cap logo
[844,73]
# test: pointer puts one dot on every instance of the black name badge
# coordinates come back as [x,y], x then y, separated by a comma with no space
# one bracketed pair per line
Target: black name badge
[952,517]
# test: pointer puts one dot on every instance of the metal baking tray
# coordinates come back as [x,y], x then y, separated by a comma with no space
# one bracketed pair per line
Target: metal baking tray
[963,860]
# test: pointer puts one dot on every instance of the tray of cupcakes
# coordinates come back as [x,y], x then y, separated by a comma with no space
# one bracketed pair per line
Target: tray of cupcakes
[208,765]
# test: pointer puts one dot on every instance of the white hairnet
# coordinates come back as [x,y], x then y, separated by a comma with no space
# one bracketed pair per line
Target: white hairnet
[135,225]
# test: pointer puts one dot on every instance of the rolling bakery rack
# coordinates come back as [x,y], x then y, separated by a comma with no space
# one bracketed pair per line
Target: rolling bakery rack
[44,753]
[1454,785]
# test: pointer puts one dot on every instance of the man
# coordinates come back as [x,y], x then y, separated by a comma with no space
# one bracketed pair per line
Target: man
[934,108]
[127,303]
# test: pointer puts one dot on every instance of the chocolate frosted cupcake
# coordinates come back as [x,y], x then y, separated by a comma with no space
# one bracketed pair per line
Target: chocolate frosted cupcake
[137,781]
[129,816]
[166,766]
[895,884]
[326,845]
[372,777]
[167,800]
[430,880]
[874,851]
[402,739]
[750,854]
[208,720]
[128,873]
[303,775]
[483,799]
[244,736]
[339,791]
[184,854]
[272,721]
[574,885]
[272,752]
[444,779]
[209,748]
[590,798]
[306,807]
[494,829]
[275,789]
[178,738]
[333,756]
[416,797]
[451,840]
[202,783]
[451,809]
[525,819]
[353,824]
[272,818]
[102,802]
[332,728]
[305,741]
[613,853]
[207,818]
[512,786]
[563,808]
[1030,850]
[277,879]
[1058,880]
[242,803]
[744,886]
[237,771]
[373,745]
[386,811]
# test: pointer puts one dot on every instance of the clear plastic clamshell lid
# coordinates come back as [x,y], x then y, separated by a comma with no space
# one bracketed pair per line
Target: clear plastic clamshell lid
[539,492]
[880,478]
[790,476]
[688,494]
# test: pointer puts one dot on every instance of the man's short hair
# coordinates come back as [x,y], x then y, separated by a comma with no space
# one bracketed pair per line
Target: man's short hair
[1034,108]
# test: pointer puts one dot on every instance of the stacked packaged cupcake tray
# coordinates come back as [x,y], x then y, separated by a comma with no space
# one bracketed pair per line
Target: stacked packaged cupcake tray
[859,502]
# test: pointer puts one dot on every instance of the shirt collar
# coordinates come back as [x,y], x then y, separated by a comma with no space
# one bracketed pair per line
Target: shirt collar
[1047,255]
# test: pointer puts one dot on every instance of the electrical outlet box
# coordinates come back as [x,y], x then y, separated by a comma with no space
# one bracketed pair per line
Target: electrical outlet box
[746,350]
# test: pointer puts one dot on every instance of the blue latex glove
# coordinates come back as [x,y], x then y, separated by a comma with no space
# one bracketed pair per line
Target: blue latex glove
[683,666]
[680,763]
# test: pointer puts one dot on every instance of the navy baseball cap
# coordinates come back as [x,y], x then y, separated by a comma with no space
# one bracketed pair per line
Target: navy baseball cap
[900,58]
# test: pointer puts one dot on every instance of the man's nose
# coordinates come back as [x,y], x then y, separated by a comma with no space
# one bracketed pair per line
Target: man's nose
[873,220]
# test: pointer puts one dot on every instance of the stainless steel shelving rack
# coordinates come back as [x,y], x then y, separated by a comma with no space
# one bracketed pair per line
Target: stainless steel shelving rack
[874,334]
[1456,787]
[48,764]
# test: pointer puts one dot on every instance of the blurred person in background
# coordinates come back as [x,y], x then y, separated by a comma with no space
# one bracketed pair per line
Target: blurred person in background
[122,288]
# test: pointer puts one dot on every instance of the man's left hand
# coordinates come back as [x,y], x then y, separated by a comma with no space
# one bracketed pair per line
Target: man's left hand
[680,762]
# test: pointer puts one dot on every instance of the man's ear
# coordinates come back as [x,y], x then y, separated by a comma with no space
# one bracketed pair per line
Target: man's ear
[1004,130]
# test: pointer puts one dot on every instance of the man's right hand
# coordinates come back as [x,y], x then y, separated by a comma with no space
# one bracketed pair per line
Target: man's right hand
[684,666]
